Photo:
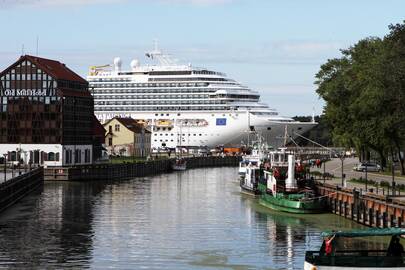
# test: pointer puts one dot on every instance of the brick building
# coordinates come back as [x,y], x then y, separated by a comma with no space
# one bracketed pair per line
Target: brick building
[46,114]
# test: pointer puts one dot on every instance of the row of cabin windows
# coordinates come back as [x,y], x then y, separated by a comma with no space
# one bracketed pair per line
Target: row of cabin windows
[157,96]
[148,85]
[183,135]
[149,91]
[103,108]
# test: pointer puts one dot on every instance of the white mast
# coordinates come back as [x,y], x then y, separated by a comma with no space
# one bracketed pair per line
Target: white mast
[163,59]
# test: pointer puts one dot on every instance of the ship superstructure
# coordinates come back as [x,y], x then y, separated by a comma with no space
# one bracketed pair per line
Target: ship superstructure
[185,105]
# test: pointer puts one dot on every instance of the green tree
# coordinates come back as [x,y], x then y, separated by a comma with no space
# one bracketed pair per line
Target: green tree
[364,92]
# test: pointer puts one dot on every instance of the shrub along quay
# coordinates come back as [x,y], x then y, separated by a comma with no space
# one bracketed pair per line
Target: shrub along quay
[131,170]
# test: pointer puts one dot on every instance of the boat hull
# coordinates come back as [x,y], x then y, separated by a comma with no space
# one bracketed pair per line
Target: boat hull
[179,167]
[249,190]
[291,206]
[309,266]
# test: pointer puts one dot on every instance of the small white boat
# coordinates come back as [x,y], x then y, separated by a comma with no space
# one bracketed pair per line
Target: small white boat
[179,164]
[344,259]
[251,167]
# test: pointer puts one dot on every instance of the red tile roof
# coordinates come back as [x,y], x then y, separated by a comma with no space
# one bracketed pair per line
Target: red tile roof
[54,68]
[131,124]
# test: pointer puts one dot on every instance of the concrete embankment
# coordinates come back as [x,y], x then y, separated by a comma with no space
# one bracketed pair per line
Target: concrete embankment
[16,188]
[131,170]
[370,209]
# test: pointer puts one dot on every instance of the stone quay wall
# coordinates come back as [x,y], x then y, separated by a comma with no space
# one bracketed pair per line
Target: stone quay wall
[16,188]
[369,209]
[131,170]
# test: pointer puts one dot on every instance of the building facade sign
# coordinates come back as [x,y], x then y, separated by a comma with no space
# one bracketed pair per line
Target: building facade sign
[24,92]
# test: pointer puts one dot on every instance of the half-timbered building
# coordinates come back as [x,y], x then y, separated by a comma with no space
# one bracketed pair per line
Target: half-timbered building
[46,114]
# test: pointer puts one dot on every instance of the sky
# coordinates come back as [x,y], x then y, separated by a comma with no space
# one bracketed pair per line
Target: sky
[273,46]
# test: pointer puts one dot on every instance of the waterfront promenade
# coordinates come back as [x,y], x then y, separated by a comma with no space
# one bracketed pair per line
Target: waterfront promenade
[334,167]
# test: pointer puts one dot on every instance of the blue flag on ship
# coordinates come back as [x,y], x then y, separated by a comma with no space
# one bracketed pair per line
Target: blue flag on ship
[221,121]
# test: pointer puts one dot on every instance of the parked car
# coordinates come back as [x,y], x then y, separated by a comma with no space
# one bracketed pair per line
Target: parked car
[371,167]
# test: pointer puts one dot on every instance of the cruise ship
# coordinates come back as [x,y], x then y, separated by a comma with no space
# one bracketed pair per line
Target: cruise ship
[185,105]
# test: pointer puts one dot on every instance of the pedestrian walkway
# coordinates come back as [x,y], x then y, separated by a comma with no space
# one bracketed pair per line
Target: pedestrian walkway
[334,167]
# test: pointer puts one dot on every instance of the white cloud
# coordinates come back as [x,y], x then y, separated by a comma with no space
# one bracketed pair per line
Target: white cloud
[52,3]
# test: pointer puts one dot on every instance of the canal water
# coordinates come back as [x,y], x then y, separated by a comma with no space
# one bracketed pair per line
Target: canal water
[196,219]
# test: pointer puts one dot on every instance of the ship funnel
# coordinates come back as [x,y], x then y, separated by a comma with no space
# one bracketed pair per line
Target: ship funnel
[134,64]
[117,63]
[291,182]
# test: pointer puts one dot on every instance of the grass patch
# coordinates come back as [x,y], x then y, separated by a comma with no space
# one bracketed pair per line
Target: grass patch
[320,174]
[120,160]
[381,184]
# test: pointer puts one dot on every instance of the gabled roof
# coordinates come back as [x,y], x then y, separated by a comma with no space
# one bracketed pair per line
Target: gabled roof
[54,68]
[130,124]
[98,128]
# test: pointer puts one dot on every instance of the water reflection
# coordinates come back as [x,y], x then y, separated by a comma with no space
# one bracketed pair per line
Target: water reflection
[196,219]
[53,226]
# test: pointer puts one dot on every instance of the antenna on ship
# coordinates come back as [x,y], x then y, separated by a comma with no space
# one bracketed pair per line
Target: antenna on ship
[163,59]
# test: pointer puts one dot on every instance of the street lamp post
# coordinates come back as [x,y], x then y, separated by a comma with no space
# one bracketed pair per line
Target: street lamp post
[19,160]
[324,172]
[393,180]
[366,176]
[5,167]
[342,158]
[25,160]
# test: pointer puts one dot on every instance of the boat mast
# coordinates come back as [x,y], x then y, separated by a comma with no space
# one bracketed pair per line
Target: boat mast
[248,122]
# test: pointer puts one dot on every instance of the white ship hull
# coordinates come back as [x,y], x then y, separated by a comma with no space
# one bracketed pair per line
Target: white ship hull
[233,131]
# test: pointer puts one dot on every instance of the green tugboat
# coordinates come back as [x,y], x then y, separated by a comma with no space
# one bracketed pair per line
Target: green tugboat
[285,188]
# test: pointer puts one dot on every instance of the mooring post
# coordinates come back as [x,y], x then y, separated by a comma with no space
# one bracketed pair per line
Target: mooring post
[399,222]
[392,221]
[352,211]
[335,205]
[358,214]
[345,209]
[384,217]
[364,215]
[377,218]
[370,217]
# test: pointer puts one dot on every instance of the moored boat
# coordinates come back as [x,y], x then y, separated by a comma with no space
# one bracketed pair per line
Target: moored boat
[179,164]
[342,258]
[251,167]
[285,187]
